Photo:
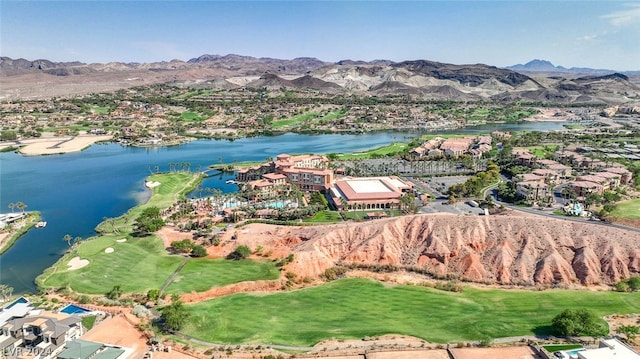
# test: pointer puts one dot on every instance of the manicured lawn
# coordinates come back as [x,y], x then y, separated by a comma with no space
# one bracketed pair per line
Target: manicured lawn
[139,264]
[88,321]
[201,274]
[100,110]
[546,151]
[558,347]
[324,217]
[334,115]
[628,209]
[192,116]
[354,308]
[383,151]
[294,121]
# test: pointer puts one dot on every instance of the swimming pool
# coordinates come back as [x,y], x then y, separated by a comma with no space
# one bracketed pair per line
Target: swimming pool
[18,301]
[73,309]
[573,354]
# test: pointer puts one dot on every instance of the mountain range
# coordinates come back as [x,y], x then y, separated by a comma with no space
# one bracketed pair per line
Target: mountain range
[544,66]
[537,80]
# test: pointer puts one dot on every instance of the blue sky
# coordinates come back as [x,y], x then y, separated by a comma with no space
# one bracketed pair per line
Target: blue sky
[597,34]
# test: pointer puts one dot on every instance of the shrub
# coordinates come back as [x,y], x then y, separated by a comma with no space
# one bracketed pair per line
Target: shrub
[84,299]
[198,251]
[107,302]
[141,311]
[115,292]
[240,252]
[333,273]
[153,294]
[183,246]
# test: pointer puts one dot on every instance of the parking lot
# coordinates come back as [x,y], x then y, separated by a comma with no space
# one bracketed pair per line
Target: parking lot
[437,187]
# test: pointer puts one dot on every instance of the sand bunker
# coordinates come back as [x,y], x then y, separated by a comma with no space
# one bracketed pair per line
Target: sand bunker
[121,240]
[108,250]
[55,145]
[152,184]
[77,263]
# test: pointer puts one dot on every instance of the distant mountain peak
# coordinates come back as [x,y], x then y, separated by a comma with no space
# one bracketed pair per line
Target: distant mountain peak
[537,65]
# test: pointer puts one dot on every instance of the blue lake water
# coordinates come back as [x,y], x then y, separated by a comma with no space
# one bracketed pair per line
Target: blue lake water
[74,192]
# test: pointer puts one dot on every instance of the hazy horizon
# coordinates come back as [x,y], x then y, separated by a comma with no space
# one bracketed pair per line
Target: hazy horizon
[593,34]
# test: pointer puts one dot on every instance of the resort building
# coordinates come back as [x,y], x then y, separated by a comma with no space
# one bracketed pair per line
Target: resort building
[368,192]
[309,179]
[267,187]
[307,172]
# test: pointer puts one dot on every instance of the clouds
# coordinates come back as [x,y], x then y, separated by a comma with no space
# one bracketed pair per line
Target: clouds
[625,17]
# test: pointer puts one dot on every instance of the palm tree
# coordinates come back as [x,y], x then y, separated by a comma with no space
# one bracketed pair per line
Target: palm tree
[157,168]
[21,206]
[11,206]
[5,291]
[67,238]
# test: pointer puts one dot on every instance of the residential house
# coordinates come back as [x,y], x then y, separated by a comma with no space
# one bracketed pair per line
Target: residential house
[82,349]
[44,333]
[583,188]
[454,147]
[606,182]
[533,190]
[609,348]
[523,157]
[550,176]
[529,177]
[625,174]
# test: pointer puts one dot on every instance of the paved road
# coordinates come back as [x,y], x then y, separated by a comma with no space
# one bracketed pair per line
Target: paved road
[549,214]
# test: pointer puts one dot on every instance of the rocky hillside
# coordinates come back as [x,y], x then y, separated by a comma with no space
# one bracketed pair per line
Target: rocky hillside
[494,249]
[427,79]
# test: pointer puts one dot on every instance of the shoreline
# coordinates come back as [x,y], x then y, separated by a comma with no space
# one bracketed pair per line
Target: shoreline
[51,145]
[8,241]
[54,145]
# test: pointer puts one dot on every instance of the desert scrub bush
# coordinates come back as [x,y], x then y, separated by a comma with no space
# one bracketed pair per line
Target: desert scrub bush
[333,273]
[141,311]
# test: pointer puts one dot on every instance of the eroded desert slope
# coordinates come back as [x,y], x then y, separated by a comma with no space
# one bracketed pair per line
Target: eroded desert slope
[497,249]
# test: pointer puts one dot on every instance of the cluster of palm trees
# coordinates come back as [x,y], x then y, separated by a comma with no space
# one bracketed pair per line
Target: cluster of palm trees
[19,205]
[67,238]
[181,166]
[6,292]
[443,166]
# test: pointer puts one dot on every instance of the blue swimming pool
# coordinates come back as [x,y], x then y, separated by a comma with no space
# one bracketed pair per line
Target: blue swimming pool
[19,300]
[73,309]
[573,353]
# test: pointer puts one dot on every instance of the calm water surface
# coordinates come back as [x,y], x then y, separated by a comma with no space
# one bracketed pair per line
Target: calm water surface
[74,192]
